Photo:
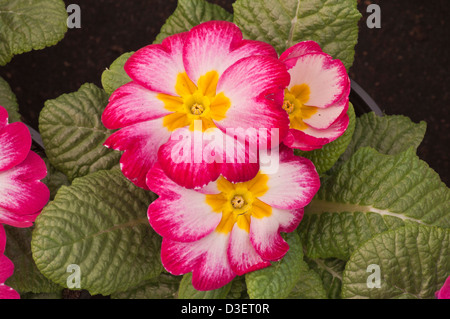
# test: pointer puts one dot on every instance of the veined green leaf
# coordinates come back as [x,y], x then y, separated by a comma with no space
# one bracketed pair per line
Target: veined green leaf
[165,286]
[26,277]
[27,25]
[369,194]
[100,224]
[388,134]
[115,76]
[73,133]
[54,179]
[283,23]
[330,271]
[190,13]
[328,155]
[289,277]
[411,262]
[8,101]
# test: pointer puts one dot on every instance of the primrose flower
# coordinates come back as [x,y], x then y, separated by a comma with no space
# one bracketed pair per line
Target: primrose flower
[22,195]
[227,229]
[6,270]
[317,96]
[209,81]
[444,292]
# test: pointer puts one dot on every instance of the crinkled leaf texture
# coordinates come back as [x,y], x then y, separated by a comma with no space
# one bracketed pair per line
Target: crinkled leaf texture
[389,134]
[26,278]
[190,13]
[165,286]
[288,278]
[115,76]
[100,224]
[282,23]
[414,262]
[8,101]
[330,271]
[73,132]
[27,25]
[370,194]
[54,179]
[327,156]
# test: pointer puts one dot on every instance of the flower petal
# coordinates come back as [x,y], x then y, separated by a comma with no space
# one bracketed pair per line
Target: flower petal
[311,138]
[3,117]
[444,292]
[6,268]
[242,256]
[182,159]
[2,239]
[266,239]
[130,104]
[324,118]
[289,56]
[327,78]
[15,143]
[206,259]
[8,293]
[216,45]
[253,86]
[181,214]
[294,184]
[157,66]
[22,194]
[140,142]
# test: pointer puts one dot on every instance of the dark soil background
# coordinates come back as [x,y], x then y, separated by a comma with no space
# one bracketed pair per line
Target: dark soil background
[403,66]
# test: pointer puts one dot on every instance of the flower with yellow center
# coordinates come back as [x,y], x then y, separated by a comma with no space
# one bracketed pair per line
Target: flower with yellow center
[316,98]
[227,229]
[206,78]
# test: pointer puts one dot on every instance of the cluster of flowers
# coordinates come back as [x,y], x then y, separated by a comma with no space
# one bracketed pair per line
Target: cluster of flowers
[197,123]
[22,194]
[187,121]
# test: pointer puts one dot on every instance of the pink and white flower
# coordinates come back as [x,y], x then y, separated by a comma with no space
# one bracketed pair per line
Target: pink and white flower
[317,96]
[22,194]
[6,270]
[444,292]
[209,75]
[227,229]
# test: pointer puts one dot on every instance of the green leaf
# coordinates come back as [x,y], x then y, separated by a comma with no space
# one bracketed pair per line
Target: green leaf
[309,286]
[414,262]
[26,277]
[27,25]
[8,101]
[283,23]
[190,13]
[238,289]
[100,224]
[330,271]
[165,286]
[187,291]
[369,194]
[328,155]
[54,179]
[278,280]
[115,76]
[388,134]
[73,133]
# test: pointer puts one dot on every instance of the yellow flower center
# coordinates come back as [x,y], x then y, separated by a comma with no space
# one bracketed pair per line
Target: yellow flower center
[239,202]
[195,102]
[294,104]
[197,109]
